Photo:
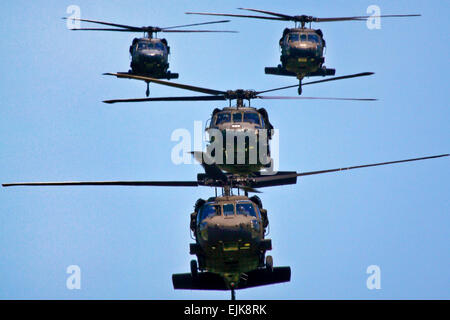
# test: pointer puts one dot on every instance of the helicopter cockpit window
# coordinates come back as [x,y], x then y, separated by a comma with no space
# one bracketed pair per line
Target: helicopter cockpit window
[251,117]
[149,45]
[293,37]
[262,122]
[209,211]
[246,209]
[223,117]
[228,209]
[303,37]
[159,46]
[143,45]
[237,117]
[313,38]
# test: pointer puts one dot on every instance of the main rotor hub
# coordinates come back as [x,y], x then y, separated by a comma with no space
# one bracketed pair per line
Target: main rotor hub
[149,30]
[303,19]
[240,94]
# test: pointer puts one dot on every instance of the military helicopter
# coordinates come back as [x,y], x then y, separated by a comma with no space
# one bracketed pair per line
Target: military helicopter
[239,135]
[302,49]
[149,54]
[229,230]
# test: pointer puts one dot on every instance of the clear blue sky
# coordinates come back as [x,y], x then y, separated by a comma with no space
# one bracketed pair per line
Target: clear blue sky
[129,240]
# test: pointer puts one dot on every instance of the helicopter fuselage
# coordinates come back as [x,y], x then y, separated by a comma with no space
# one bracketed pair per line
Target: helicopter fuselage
[302,55]
[229,233]
[302,51]
[149,56]
[239,139]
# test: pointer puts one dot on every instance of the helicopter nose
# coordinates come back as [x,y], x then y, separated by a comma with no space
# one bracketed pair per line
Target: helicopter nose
[149,56]
[231,229]
[302,51]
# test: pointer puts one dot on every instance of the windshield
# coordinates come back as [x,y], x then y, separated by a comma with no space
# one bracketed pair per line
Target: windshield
[208,211]
[237,117]
[223,117]
[313,38]
[150,45]
[293,37]
[245,209]
[251,117]
[228,209]
[144,45]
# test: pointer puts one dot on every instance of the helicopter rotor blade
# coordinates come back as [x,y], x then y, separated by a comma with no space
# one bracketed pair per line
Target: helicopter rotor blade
[223,95]
[369,165]
[363,18]
[290,177]
[301,18]
[195,24]
[314,19]
[281,178]
[167,83]
[315,98]
[249,189]
[279,15]
[361,74]
[102,29]
[356,75]
[187,98]
[107,183]
[236,15]
[131,28]
[188,31]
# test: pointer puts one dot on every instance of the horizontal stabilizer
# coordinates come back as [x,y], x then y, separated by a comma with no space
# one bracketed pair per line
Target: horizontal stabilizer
[279,71]
[168,75]
[322,72]
[264,277]
[203,281]
[283,72]
[212,281]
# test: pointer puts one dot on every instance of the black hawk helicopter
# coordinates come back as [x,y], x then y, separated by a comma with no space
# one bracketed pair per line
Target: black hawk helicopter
[302,49]
[229,230]
[239,135]
[149,54]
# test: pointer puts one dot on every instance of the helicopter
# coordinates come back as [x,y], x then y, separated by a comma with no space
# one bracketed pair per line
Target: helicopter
[229,230]
[302,49]
[239,135]
[149,54]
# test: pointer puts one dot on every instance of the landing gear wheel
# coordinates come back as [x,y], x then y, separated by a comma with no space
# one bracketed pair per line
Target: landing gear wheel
[300,89]
[194,268]
[147,92]
[269,263]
